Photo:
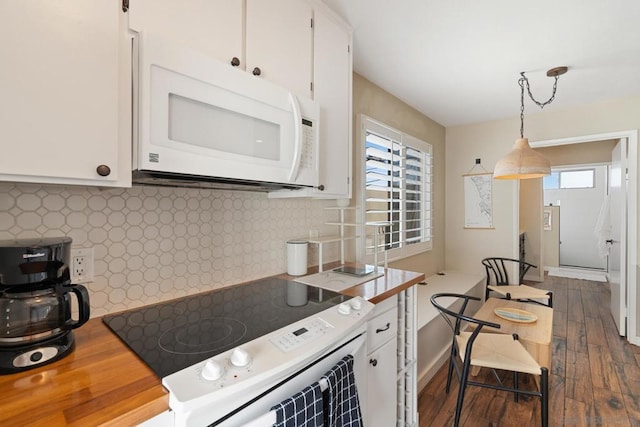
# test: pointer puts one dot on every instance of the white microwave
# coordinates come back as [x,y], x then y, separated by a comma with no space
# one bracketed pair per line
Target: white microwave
[200,122]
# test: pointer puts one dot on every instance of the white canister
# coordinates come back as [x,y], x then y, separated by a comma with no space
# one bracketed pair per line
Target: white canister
[297,257]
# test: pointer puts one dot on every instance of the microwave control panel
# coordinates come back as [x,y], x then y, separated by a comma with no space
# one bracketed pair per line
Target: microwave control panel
[308,143]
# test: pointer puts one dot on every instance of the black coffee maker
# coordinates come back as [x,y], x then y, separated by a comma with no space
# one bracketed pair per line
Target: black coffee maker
[35,303]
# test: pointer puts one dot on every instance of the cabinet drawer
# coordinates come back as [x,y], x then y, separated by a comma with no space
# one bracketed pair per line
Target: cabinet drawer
[382,328]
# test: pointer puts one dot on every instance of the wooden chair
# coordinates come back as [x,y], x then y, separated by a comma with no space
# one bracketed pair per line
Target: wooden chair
[498,281]
[487,350]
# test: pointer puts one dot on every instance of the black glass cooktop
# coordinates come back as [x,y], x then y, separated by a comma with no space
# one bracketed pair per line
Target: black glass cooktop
[173,335]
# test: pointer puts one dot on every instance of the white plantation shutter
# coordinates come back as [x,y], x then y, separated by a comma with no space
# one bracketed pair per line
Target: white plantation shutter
[397,190]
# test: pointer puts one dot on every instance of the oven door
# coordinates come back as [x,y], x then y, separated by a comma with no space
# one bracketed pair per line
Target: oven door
[254,411]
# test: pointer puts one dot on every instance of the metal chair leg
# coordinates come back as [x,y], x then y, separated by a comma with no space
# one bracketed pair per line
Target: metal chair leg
[515,386]
[544,398]
[452,359]
[461,391]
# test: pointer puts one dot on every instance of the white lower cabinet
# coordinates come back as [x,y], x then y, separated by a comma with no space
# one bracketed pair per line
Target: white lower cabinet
[392,398]
[381,387]
[382,367]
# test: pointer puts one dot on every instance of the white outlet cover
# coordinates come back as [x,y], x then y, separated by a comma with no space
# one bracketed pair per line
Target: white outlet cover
[87,254]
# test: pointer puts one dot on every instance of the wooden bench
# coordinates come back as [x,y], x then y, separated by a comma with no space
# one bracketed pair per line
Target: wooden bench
[434,335]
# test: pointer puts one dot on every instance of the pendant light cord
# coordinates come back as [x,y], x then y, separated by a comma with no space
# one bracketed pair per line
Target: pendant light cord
[521,81]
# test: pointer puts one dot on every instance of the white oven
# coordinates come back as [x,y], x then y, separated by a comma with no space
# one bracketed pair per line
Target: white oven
[277,365]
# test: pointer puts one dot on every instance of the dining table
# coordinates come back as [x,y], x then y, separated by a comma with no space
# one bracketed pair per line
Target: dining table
[533,323]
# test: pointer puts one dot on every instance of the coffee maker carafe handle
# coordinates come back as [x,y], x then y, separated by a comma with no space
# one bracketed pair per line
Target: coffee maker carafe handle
[83,306]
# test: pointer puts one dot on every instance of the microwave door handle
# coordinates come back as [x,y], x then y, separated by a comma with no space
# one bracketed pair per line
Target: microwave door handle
[297,128]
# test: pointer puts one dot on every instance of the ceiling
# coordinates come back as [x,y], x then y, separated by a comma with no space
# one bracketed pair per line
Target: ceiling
[458,62]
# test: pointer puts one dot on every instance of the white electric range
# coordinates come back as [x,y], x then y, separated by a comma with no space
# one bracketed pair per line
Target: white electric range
[229,355]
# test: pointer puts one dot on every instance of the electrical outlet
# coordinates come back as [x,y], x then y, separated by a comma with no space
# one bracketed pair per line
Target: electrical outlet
[313,233]
[81,265]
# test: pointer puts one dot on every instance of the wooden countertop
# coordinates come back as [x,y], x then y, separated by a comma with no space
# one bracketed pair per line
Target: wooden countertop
[393,282]
[102,382]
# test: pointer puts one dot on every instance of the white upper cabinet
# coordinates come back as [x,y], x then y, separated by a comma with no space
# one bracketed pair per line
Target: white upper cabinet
[332,90]
[269,39]
[213,27]
[279,43]
[63,93]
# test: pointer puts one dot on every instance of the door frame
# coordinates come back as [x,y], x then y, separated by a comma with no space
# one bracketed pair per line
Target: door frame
[632,214]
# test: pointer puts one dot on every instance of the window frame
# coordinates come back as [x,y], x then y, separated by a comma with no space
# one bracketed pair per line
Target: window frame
[370,125]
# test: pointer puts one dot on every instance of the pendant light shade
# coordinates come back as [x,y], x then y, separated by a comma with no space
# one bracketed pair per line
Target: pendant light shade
[522,162]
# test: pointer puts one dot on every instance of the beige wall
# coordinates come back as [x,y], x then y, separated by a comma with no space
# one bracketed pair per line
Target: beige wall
[530,222]
[490,141]
[374,102]
[579,154]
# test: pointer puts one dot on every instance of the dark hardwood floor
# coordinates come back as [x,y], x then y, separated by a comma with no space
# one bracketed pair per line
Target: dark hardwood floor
[595,374]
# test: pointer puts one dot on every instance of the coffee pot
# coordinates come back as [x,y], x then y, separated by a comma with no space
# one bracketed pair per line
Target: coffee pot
[37,303]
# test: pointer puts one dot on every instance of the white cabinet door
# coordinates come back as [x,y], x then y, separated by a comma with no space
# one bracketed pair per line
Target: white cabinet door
[279,42]
[381,386]
[212,27]
[60,87]
[332,90]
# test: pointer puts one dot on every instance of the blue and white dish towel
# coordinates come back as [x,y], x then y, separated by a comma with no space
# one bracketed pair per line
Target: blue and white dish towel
[341,404]
[303,409]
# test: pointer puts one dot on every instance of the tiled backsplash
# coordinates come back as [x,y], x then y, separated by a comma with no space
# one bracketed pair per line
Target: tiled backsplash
[152,244]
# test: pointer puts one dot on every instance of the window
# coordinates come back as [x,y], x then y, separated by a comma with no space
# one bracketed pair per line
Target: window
[584,178]
[397,191]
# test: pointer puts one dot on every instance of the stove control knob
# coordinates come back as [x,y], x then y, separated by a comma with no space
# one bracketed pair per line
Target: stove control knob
[212,370]
[344,308]
[240,357]
[356,304]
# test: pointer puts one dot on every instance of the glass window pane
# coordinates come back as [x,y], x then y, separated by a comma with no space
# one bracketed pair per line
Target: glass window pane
[577,179]
[551,182]
[398,188]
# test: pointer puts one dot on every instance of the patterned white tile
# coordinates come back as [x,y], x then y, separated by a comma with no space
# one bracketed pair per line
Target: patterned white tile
[28,202]
[153,244]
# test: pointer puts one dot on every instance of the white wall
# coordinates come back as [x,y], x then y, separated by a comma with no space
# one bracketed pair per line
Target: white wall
[579,212]
[490,141]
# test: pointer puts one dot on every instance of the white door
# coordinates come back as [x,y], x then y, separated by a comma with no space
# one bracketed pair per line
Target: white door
[618,252]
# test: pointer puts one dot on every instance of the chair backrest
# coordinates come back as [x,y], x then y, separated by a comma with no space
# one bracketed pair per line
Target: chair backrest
[496,269]
[458,316]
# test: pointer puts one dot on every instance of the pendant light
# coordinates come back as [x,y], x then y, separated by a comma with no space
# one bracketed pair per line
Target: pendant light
[523,162]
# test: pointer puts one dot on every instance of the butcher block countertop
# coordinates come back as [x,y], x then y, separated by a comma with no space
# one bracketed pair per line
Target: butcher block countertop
[102,382]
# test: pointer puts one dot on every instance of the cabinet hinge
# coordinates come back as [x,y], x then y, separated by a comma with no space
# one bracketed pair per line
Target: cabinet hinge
[311,84]
[348,48]
[311,22]
[125,5]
